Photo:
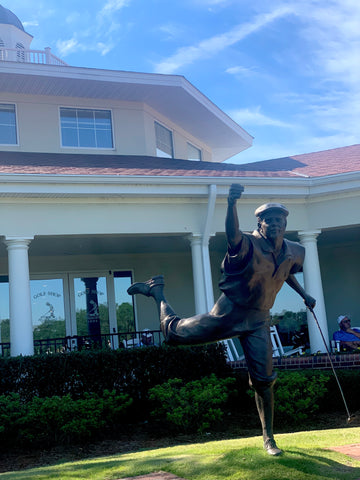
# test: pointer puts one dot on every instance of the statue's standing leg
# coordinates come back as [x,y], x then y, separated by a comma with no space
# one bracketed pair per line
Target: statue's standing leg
[264,399]
[258,353]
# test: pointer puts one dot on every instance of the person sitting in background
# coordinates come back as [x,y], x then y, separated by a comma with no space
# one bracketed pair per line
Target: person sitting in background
[146,338]
[347,336]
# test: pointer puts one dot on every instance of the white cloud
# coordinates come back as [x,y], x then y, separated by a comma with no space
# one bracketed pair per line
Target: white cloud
[171,30]
[30,23]
[65,47]
[112,6]
[246,117]
[332,27]
[213,45]
[239,70]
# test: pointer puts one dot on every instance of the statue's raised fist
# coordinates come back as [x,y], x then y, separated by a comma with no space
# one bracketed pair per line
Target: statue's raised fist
[235,192]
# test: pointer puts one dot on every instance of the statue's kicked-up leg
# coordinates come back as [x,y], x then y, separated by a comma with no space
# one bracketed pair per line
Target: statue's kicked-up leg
[196,330]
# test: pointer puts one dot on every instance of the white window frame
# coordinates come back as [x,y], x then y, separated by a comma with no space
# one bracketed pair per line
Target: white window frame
[158,149]
[79,147]
[16,125]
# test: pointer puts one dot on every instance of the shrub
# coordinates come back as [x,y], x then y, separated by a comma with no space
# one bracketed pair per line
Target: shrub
[193,406]
[297,394]
[57,420]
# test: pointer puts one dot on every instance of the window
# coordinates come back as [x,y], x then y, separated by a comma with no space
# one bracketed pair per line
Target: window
[8,134]
[4,310]
[193,153]
[47,304]
[124,302]
[85,128]
[164,141]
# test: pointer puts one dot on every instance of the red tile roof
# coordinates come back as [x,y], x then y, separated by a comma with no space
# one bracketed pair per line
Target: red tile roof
[324,163]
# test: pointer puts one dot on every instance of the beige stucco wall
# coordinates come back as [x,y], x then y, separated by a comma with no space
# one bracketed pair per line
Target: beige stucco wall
[38,121]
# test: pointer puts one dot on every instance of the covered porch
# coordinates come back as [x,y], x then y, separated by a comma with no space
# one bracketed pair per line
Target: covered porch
[60,265]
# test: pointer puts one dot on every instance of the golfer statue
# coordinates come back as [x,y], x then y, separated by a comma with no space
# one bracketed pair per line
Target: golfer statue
[254,269]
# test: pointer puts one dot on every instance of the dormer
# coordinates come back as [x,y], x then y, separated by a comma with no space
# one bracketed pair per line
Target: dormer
[13,35]
[15,42]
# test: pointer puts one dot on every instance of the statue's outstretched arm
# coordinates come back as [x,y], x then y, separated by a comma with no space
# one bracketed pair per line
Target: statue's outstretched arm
[232,229]
[295,285]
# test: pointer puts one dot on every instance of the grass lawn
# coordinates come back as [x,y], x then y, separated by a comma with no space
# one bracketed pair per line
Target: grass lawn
[306,457]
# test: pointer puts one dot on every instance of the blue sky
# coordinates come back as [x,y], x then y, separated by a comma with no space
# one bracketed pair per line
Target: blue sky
[286,71]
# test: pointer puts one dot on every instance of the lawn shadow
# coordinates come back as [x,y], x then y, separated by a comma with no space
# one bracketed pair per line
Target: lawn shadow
[248,462]
[322,465]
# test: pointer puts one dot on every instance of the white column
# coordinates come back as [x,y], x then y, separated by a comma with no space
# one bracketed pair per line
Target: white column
[198,276]
[313,286]
[21,333]
[209,290]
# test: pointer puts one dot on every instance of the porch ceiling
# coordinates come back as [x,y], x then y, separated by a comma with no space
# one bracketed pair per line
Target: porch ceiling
[132,244]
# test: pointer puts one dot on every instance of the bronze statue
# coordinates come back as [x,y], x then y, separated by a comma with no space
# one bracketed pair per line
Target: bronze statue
[254,269]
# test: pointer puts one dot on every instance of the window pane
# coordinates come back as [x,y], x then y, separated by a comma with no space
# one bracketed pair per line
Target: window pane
[91,305]
[193,152]
[8,125]
[4,310]
[124,302]
[47,305]
[103,138]
[85,118]
[69,137]
[7,135]
[102,117]
[68,117]
[87,137]
[164,142]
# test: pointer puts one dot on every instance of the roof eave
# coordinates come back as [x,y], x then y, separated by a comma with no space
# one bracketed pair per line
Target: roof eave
[171,95]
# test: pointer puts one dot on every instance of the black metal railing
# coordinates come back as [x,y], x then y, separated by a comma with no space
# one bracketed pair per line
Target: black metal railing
[88,342]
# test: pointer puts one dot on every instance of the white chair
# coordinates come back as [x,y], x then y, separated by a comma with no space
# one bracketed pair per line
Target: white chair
[231,351]
[335,346]
[132,342]
[278,349]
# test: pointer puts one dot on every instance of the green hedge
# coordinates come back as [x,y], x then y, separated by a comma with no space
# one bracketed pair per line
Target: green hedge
[57,420]
[132,371]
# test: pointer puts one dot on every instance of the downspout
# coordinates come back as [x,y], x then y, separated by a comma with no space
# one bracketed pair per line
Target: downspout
[209,291]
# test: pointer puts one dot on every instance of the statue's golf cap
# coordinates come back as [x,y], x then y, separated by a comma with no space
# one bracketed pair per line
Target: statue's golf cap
[260,211]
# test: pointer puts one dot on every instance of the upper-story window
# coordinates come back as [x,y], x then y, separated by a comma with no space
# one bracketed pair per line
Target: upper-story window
[85,128]
[193,153]
[164,141]
[8,135]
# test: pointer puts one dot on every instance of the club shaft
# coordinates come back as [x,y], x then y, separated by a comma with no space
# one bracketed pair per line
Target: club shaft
[331,363]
